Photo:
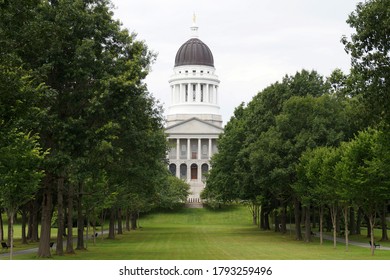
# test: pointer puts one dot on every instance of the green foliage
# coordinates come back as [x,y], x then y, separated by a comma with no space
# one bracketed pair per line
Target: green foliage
[20,173]
[261,146]
[369,48]
[173,193]
[317,184]
[363,170]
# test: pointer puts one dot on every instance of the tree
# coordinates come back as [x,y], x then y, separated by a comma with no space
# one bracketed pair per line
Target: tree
[369,48]
[306,123]
[363,168]
[20,174]
[317,184]
[91,73]
[173,193]
[221,183]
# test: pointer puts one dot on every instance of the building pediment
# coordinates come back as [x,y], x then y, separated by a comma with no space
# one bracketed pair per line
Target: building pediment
[193,126]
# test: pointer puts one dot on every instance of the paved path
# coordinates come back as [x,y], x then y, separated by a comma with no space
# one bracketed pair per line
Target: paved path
[355,243]
[35,250]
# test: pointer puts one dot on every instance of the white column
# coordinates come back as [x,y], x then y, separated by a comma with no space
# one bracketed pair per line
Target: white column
[199,148]
[206,94]
[177,148]
[172,95]
[216,95]
[210,148]
[188,148]
[199,173]
[181,94]
[188,172]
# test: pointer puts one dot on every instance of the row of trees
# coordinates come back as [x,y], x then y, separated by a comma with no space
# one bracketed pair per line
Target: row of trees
[310,142]
[79,130]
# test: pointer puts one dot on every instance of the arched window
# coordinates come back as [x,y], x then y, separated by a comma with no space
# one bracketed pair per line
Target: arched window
[205,170]
[172,169]
[183,171]
[194,171]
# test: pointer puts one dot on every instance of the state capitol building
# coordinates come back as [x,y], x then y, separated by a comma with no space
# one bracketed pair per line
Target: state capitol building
[194,121]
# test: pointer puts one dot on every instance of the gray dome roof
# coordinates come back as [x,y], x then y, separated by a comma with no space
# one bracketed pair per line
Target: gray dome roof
[194,52]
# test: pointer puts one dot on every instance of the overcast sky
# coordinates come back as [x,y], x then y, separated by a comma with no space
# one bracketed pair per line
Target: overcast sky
[254,42]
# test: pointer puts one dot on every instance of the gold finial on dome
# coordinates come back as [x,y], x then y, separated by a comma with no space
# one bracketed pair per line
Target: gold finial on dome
[194,27]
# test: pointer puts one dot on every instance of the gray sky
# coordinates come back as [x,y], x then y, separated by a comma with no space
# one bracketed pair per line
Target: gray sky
[254,42]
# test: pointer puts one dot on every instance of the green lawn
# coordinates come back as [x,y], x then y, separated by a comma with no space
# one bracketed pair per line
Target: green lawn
[202,234]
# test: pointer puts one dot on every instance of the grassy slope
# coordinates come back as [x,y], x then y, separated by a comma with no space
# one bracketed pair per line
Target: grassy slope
[201,234]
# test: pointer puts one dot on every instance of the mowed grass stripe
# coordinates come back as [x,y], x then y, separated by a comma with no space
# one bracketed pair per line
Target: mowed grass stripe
[202,234]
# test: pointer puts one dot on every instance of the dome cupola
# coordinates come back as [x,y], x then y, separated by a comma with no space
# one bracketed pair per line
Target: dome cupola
[194,52]
[194,84]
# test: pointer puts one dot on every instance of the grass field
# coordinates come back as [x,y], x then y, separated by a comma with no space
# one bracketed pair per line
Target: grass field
[202,234]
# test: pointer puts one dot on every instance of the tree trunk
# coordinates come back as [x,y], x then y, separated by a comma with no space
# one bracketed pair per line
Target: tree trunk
[346,233]
[35,221]
[69,237]
[276,221]
[120,228]
[262,223]
[297,214]
[352,222]
[338,228]
[1,227]
[44,243]
[307,224]
[111,229]
[283,219]
[333,215]
[253,209]
[266,221]
[127,220]
[102,219]
[359,221]
[94,231]
[321,212]
[11,232]
[80,220]
[134,217]
[60,216]
[371,220]
[384,223]
[24,224]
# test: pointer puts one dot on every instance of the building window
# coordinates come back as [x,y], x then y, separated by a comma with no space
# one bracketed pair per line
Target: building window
[194,171]
[205,170]
[194,152]
[186,93]
[204,150]
[172,169]
[183,171]
[183,150]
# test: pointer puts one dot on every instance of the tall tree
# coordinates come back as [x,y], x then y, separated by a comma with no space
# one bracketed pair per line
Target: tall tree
[20,174]
[363,169]
[369,48]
